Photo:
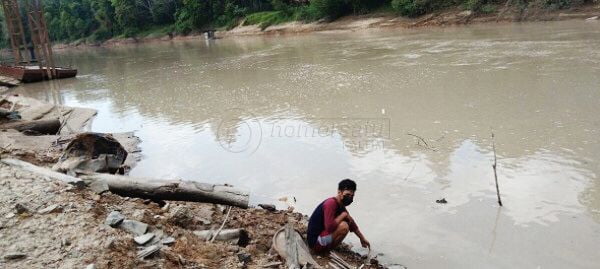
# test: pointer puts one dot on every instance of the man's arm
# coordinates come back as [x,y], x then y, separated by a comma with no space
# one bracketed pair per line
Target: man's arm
[331,221]
[354,228]
[341,217]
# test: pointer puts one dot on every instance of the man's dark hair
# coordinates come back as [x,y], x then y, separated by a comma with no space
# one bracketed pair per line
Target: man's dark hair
[347,184]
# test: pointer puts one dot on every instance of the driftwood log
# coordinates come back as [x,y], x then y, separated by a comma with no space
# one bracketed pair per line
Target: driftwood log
[177,190]
[34,126]
[43,172]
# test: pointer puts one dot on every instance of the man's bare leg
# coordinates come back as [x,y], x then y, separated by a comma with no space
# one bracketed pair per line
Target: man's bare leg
[340,233]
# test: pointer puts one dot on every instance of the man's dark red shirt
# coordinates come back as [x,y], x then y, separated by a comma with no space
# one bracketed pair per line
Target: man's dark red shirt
[322,221]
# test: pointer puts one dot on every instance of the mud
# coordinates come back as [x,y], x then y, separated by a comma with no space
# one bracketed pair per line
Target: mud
[73,235]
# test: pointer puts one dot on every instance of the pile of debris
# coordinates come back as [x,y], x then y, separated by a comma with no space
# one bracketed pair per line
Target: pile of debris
[38,132]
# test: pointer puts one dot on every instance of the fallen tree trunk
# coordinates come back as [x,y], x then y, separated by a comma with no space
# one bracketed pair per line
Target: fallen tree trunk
[34,126]
[176,190]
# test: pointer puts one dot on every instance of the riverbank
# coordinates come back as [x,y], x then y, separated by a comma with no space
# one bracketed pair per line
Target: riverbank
[48,222]
[447,17]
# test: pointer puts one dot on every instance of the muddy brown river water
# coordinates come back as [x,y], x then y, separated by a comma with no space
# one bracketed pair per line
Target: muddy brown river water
[408,114]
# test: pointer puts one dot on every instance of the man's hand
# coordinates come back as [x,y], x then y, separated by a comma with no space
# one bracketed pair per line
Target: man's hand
[365,243]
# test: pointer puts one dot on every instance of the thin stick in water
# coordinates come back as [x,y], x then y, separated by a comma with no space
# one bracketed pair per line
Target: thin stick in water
[496,173]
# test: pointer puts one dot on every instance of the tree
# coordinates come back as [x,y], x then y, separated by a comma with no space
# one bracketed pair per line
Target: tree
[130,16]
[193,15]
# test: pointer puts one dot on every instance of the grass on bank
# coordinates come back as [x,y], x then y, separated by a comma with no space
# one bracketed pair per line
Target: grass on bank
[267,18]
[156,31]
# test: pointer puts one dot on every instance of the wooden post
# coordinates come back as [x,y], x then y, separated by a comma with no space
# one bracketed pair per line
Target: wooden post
[291,247]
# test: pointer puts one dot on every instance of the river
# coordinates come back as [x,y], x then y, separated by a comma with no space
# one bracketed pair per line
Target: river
[408,114]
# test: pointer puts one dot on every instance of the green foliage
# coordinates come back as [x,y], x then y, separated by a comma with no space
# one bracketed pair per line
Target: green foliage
[473,5]
[282,6]
[69,20]
[365,6]
[230,14]
[558,4]
[163,11]
[196,14]
[193,15]
[482,6]
[488,9]
[414,8]
[267,18]
[410,8]
[3,38]
[104,14]
[130,16]
[100,35]
[329,9]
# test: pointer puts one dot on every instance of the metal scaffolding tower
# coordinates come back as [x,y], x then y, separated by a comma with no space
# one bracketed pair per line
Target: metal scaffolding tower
[40,41]
[15,31]
[39,36]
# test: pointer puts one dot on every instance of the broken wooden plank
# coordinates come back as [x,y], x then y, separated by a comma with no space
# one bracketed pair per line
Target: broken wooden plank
[291,248]
[293,243]
[147,251]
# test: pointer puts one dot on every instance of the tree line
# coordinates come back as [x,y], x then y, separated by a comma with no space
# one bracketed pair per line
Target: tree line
[97,20]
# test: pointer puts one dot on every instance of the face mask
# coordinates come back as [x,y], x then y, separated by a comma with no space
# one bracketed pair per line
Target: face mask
[347,200]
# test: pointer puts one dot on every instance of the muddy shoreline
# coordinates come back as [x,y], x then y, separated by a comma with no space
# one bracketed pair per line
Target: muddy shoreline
[46,221]
[450,17]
